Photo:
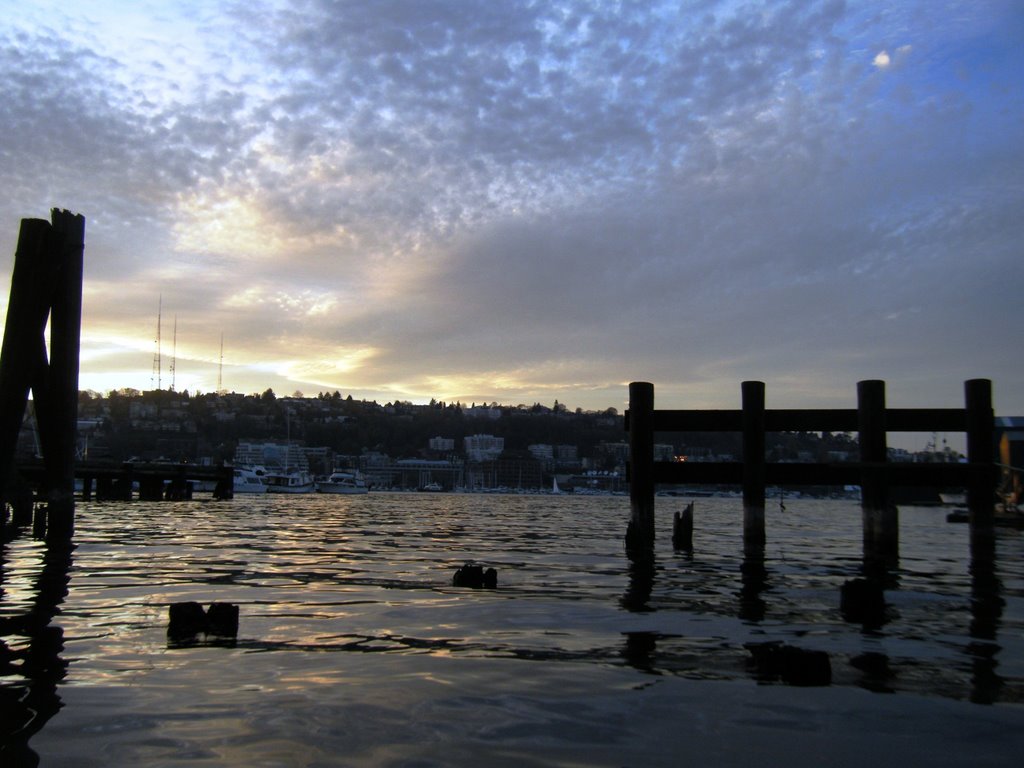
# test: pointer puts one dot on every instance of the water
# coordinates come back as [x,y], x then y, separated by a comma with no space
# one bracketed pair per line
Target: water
[354,648]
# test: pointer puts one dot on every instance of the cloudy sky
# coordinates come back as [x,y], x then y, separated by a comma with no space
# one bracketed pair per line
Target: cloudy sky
[495,200]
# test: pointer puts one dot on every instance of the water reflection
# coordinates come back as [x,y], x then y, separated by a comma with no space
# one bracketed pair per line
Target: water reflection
[33,658]
[330,587]
[642,567]
[987,606]
[754,578]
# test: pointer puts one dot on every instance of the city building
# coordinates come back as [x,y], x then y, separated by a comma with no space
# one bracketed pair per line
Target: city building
[483,447]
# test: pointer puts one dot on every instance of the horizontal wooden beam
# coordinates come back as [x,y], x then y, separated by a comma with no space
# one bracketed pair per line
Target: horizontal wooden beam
[810,420]
[924,475]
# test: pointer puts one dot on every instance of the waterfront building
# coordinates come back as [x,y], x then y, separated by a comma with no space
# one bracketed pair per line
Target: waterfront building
[271,455]
[441,444]
[483,447]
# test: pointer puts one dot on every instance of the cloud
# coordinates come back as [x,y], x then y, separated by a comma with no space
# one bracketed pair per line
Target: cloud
[397,197]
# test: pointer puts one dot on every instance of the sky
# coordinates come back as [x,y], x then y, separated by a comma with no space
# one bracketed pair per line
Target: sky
[520,202]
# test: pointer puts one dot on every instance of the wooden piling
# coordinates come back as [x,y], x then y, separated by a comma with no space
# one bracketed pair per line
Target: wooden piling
[46,286]
[753,464]
[640,533]
[880,517]
[68,244]
[980,425]
[26,321]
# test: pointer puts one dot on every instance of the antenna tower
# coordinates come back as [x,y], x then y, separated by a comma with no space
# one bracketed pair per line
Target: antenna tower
[174,351]
[220,368]
[155,378]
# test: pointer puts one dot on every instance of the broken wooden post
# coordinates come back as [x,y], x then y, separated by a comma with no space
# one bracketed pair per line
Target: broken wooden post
[640,533]
[682,528]
[880,518]
[753,464]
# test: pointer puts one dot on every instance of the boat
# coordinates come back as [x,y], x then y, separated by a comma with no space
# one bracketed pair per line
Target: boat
[248,480]
[342,482]
[432,487]
[290,481]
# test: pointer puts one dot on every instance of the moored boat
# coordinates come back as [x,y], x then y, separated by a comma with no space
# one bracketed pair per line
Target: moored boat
[342,482]
[295,481]
[248,480]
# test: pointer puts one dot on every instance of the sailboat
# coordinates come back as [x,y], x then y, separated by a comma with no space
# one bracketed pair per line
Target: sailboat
[291,479]
[554,486]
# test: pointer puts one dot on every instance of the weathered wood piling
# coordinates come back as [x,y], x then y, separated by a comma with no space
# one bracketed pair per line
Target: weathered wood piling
[640,532]
[46,287]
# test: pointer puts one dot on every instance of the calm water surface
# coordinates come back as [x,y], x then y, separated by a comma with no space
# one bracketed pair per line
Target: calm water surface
[354,648]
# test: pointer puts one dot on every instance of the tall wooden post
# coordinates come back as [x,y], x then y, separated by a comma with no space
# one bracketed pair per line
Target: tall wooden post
[981,457]
[880,518]
[68,235]
[753,464]
[640,533]
[46,283]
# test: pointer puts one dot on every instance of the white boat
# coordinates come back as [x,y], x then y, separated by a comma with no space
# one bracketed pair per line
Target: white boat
[247,480]
[290,480]
[342,482]
[433,487]
[294,481]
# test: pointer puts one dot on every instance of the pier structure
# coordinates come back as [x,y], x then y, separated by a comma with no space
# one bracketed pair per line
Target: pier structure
[46,289]
[875,475]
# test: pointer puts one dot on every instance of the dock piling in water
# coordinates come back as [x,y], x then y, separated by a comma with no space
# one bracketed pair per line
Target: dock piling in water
[46,288]
[753,463]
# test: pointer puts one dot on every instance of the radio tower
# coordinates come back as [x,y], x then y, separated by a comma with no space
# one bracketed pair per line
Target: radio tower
[174,351]
[156,356]
[220,368]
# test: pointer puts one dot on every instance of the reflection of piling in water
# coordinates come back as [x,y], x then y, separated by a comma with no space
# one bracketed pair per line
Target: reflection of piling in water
[642,565]
[789,664]
[987,606]
[754,578]
[29,702]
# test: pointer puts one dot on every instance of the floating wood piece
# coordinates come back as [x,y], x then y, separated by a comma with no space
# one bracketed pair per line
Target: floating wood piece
[188,621]
[474,576]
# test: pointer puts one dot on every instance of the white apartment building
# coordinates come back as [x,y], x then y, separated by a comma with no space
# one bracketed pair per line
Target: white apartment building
[483,447]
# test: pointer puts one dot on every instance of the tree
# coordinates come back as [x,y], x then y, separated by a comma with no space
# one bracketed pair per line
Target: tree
[268,396]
